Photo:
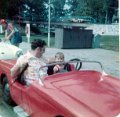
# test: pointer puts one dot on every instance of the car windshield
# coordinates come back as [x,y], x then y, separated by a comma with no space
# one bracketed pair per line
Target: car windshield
[76,65]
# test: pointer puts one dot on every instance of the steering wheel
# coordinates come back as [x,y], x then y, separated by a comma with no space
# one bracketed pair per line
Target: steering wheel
[67,67]
[79,63]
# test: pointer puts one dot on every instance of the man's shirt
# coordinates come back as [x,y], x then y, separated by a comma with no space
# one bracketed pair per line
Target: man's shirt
[34,70]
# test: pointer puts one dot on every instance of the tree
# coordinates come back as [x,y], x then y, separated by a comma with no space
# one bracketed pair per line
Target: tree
[4,5]
[57,9]
[101,10]
[74,4]
[9,7]
[39,9]
[14,8]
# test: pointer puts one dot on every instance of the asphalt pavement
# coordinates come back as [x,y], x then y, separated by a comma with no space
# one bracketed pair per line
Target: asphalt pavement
[5,109]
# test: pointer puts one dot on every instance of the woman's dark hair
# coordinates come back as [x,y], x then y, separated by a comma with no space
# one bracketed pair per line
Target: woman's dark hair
[38,43]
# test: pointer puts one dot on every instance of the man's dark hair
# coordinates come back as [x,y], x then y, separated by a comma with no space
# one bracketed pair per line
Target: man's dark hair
[38,43]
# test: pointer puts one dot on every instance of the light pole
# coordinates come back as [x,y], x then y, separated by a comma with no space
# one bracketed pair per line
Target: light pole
[19,16]
[49,24]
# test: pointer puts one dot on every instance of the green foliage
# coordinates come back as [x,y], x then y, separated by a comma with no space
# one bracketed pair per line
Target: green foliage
[4,4]
[9,7]
[98,9]
[58,8]
[101,10]
[110,42]
[74,4]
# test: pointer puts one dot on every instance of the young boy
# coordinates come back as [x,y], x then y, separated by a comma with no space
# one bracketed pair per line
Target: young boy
[59,57]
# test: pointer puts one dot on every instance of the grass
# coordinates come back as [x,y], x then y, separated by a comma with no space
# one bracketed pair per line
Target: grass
[43,37]
[110,43]
[106,42]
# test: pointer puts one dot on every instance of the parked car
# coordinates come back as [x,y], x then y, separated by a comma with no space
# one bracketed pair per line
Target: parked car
[76,92]
[8,51]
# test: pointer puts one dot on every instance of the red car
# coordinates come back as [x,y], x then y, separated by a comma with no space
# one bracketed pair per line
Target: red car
[77,92]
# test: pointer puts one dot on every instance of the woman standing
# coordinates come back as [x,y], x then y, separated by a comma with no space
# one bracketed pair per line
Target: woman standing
[11,33]
[7,29]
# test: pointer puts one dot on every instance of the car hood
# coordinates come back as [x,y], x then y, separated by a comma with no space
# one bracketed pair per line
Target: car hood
[88,94]
[8,51]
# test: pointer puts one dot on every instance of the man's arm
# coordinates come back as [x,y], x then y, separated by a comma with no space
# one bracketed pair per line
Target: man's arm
[19,66]
[15,71]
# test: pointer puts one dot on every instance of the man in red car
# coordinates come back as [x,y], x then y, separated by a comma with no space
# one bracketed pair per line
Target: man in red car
[34,60]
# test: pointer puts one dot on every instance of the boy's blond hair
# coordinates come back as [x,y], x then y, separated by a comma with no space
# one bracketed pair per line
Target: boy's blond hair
[60,54]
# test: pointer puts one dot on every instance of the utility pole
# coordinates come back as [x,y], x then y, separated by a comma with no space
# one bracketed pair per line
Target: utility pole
[19,17]
[49,24]
[106,17]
